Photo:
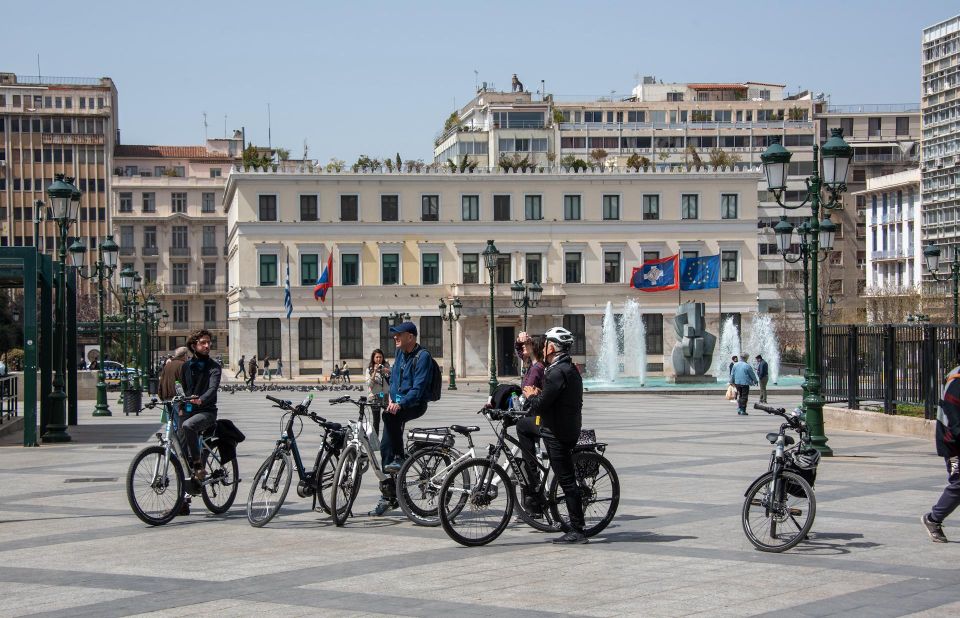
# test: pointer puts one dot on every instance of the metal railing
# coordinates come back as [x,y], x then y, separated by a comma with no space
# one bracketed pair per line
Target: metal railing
[873,108]
[888,364]
[180,251]
[209,250]
[9,398]
[128,250]
[150,251]
[188,325]
[212,288]
[174,288]
[44,80]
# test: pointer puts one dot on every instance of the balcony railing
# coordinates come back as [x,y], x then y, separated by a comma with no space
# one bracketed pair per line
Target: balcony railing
[209,250]
[148,251]
[175,288]
[180,251]
[187,325]
[212,288]
[128,250]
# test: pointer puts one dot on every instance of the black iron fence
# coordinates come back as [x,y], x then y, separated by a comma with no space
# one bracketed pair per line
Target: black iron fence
[888,364]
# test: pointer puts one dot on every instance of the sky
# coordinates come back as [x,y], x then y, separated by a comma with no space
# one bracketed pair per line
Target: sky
[377,78]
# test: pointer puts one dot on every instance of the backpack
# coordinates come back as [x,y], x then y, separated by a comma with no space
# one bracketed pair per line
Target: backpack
[435,387]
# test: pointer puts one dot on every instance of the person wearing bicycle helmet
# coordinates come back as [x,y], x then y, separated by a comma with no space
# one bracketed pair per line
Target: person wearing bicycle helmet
[557,409]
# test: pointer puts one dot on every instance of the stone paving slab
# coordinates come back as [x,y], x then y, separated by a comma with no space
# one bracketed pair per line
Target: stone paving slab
[70,546]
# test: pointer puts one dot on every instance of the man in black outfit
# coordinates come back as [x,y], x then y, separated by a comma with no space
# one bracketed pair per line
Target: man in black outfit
[201,379]
[558,409]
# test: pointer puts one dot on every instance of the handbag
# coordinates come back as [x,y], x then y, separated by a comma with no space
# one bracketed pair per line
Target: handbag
[731,392]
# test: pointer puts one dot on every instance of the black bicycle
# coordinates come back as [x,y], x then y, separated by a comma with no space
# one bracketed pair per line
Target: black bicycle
[780,505]
[477,496]
[272,481]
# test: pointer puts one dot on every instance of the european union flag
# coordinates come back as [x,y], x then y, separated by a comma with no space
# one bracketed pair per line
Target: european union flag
[700,273]
[656,275]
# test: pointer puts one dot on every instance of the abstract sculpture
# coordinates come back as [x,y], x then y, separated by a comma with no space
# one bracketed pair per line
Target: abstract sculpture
[693,353]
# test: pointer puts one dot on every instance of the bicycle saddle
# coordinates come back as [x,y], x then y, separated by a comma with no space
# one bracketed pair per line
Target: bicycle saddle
[460,429]
[772,438]
[333,426]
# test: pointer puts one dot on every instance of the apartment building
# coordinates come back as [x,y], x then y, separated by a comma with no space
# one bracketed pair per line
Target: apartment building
[171,228]
[893,235]
[940,159]
[51,125]
[402,241]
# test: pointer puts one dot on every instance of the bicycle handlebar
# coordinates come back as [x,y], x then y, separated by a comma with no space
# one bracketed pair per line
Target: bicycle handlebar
[770,409]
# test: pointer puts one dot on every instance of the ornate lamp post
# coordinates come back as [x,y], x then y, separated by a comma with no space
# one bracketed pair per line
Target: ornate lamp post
[126,286]
[817,236]
[525,296]
[931,255]
[153,317]
[398,317]
[136,307]
[102,270]
[450,314]
[64,201]
[490,255]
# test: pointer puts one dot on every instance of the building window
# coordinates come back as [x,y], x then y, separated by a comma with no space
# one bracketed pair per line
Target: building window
[873,126]
[504,271]
[903,125]
[210,314]
[309,264]
[430,208]
[575,324]
[349,208]
[653,322]
[386,339]
[389,208]
[209,237]
[431,335]
[729,265]
[178,202]
[150,202]
[391,269]
[651,255]
[689,207]
[126,202]
[268,208]
[209,275]
[149,272]
[651,207]
[268,338]
[179,235]
[126,238]
[470,206]
[351,337]
[534,268]
[181,311]
[311,338]
[846,125]
[471,268]
[207,202]
[349,269]
[572,268]
[309,210]
[430,263]
[728,206]
[689,255]
[611,267]
[149,237]
[611,207]
[501,207]
[268,269]
[215,172]
[571,207]
[533,207]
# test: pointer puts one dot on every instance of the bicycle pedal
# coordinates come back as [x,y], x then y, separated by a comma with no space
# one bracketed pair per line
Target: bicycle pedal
[795,512]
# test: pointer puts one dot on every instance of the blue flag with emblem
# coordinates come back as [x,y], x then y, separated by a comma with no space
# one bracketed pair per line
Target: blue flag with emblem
[656,275]
[287,299]
[700,273]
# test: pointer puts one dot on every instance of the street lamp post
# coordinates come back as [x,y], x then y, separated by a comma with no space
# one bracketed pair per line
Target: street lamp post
[399,317]
[126,285]
[525,296]
[931,255]
[102,270]
[450,314]
[153,310]
[490,256]
[816,237]
[136,308]
[65,201]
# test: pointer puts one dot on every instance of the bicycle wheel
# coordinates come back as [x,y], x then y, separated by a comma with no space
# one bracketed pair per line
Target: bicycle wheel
[269,488]
[346,485]
[155,491]
[325,471]
[545,521]
[599,492]
[775,523]
[219,490]
[418,485]
[485,512]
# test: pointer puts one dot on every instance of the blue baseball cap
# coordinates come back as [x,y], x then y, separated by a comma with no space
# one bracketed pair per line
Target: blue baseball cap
[405,327]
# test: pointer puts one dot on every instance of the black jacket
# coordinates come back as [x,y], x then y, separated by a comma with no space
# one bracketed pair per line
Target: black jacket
[560,404]
[201,378]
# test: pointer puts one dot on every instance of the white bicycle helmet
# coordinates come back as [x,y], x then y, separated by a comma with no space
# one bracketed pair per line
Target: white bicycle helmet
[560,336]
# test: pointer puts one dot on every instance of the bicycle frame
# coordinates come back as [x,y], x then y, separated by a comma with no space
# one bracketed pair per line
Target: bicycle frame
[170,441]
[515,469]
[357,436]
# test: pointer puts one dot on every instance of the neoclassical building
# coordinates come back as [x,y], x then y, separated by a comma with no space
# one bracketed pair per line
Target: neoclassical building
[402,241]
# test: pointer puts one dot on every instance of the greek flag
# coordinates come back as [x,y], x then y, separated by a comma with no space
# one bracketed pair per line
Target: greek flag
[287,299]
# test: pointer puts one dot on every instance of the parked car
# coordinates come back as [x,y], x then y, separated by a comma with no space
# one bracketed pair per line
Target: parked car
[114,370]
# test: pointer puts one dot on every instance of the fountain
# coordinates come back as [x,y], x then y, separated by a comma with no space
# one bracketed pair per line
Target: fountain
[610,368]
[608,365]
[634,341]
[729,346]
[763,341]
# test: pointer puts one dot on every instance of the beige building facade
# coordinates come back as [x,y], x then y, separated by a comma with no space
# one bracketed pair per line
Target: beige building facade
[402,241]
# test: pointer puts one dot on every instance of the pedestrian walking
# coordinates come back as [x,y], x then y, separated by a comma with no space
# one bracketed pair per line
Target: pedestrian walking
[252,369]
[266,368]
[742,376]
[279,368]
[345,372]
[763,374]
[242,369]
[948,447]
[378,385]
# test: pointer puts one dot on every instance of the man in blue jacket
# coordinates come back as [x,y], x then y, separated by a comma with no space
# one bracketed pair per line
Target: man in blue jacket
[742,376]
[409,385]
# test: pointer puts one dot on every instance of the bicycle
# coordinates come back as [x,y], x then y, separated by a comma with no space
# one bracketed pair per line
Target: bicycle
[272,481]
[361,451]
[160,472]
[780,504]
[486,482]
[422,474]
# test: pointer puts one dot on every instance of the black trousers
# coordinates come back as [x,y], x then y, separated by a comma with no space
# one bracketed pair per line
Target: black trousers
[561,460]
[950,498]
[528,435]
[190,430]
[391,442]
[743,393]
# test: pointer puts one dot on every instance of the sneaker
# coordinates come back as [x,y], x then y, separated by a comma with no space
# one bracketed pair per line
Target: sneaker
[574,537]
[382,507]
[533,506]
[934,529]
[184,508]
[393,467]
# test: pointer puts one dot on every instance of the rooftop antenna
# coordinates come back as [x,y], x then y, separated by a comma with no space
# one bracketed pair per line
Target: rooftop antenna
[306,149]
[225,128]
[205,137]
[476,80]
[38,68]
[269,137]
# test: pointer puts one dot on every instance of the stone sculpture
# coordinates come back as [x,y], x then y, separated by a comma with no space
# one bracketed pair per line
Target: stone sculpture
[693,353]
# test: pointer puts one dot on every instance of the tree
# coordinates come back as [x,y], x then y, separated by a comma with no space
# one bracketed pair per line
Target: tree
[253,158]
[599,155]
[283,154]
[722,158]
[335,165]
[10,331]
[399,163]
[557,116]
[891,304]
[516,163]
[573,163]
[365,162]
[638,162]
[452,122]
[414,165]
[697,162]
[797,114]
[465,165]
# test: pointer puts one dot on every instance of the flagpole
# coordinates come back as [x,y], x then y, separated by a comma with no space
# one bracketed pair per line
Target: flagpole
[333,320]
[289,348]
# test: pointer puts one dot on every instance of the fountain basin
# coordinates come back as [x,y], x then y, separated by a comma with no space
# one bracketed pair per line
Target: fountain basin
[660,384]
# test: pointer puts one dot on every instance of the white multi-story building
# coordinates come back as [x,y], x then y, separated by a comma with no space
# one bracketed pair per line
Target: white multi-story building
[894,247]
[402,241]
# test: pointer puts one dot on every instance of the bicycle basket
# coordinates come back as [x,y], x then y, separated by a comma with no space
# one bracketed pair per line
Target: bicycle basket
[587,436]
[589,468]
[336,439]
[434,436]
[804,464]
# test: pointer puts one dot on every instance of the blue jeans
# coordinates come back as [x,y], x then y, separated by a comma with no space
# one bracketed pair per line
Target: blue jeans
[391,443]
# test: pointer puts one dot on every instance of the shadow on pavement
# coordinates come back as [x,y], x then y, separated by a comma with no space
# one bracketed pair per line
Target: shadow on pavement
[638,537]
[134,433]
[819,544]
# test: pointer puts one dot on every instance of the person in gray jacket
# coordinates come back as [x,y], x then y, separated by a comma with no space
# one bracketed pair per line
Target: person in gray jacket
[742,376]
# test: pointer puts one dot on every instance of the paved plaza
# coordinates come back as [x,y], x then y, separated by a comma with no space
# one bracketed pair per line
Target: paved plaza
[70,546]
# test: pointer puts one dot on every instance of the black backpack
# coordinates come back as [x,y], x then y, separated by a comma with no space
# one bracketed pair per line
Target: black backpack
[435,388]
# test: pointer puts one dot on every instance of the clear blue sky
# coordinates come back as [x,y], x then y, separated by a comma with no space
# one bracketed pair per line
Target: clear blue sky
[381,77]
